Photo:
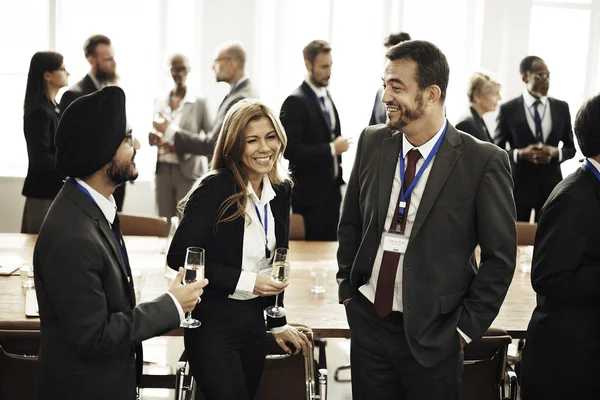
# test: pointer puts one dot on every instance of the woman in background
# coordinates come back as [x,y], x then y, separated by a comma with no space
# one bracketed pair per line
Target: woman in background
[484,94]
[239,213]
[47,74]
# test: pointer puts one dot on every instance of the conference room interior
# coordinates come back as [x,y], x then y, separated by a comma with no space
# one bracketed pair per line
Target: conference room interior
[476,35]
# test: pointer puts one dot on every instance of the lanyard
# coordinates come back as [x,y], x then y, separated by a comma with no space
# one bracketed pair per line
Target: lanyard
[592,168]
[543,113]
[266,228]
[405,195]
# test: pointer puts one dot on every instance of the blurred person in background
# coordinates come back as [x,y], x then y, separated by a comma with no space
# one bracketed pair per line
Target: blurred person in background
[47,74]
[484,94]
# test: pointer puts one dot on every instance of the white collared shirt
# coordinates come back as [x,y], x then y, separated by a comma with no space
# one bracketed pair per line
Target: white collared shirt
[545,111]
[594,163]
[175,120]
[369,288]
[108,207]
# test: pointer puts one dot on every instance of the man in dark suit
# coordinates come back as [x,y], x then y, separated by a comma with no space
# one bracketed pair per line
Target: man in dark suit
[100,55]
[379,113]
[531,127]
[315,146]
[229,66]
[407,275]
[91,328]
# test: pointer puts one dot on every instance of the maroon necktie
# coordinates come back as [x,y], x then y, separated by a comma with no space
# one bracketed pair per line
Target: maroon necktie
[384,294]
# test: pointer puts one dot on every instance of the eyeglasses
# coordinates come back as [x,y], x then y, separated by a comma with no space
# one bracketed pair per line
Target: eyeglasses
[177,70]
[539,77]
[62,69]
[216,60]
[129,137]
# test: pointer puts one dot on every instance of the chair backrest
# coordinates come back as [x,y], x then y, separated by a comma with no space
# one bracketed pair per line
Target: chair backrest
[139,225]
[484,366]
[526,233]
[297,230]
[19,364]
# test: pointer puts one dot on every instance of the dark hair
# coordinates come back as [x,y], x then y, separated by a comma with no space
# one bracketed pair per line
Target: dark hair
[587,127]
[312,50]
[526,64]
[396,38]
[89,47]
[432,66]
[41,62]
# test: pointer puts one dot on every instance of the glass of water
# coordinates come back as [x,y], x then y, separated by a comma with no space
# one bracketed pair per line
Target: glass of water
[279,273]
[194,271]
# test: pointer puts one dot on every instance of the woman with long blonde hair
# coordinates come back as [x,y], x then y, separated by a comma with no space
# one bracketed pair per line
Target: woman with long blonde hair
[239,212]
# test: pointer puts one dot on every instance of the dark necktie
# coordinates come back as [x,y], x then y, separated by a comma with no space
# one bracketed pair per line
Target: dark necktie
[486,131]
[537,120]
[384,294]
[325,112]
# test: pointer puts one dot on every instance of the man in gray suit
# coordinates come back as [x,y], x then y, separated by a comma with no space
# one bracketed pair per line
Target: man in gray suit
[91,328]
[180,111]
[420,198]
[229,66]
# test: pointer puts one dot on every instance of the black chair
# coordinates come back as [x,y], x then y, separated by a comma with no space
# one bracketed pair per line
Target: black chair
[19,364]
[486,368]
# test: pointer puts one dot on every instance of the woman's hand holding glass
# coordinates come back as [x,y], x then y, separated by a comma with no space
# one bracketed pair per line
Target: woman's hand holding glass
[295,337]
[265,286]
[281,274]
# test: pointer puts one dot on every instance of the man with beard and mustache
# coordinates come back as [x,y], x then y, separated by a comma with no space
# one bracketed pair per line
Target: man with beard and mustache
[420,198]
[531,127]
[91,327]
[315,146]
[100,55]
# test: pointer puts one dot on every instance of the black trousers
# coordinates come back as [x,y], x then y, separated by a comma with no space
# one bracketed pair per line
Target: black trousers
[383,367]
[227,352]
[321,222]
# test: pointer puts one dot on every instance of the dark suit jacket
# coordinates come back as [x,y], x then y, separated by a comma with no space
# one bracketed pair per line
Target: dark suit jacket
[91,329]
[308,148]
[188,143]
[467,201]
[223,243]
[512,129]
[474,126]
[43,180]
[81,88]
[566,277]
[379,113]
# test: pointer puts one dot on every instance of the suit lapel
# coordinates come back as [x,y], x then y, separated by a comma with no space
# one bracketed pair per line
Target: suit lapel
[390,149]
[557,120]
[313,101]
[443,163]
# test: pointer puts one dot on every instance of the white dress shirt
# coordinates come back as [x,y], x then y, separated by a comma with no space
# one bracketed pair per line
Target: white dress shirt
[108,207]
[545,111]
[163,105]
[594,163]
[369,288]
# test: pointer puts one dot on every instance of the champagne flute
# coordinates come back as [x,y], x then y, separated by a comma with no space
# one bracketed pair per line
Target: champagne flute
[279,273]
[194,271]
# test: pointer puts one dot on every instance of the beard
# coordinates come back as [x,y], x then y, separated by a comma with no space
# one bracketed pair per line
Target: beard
[106,76]
[408,115]
[119,174]
[323,82]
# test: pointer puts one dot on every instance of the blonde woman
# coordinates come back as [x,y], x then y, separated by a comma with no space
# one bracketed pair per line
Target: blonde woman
[239,212]
[484,94]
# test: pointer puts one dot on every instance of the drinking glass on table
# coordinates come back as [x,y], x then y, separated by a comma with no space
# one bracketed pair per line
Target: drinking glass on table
[279,273]
[194,271]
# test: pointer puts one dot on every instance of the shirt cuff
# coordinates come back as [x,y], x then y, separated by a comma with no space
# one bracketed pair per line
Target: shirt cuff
[332,146]
[179,308]
[560,156]
[516,155]
[467,339]
[246,282]
[279,329]
[169,135]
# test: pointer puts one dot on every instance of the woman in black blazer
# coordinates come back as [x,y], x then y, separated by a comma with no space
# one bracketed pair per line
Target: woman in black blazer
[560,358]
[47,74]
[484,94]
[225,213]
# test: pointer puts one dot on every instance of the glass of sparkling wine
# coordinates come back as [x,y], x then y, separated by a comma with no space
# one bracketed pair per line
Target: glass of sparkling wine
[194,271]
[280,273]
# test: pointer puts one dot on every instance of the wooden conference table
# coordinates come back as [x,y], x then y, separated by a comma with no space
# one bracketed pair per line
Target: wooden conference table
[321,312]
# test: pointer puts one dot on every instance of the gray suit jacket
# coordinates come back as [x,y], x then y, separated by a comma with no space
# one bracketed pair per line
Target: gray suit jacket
[185,143]
[195,120]
[467,201]
[91,329]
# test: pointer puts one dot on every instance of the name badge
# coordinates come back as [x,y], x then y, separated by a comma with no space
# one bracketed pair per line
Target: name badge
[395,243]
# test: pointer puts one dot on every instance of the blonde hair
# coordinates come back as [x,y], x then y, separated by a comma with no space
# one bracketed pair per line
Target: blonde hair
[228,155]
[479,83]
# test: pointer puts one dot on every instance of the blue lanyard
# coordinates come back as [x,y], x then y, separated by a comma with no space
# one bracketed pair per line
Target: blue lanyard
[543,114]
[592,168]
[405,195]
[266,228]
